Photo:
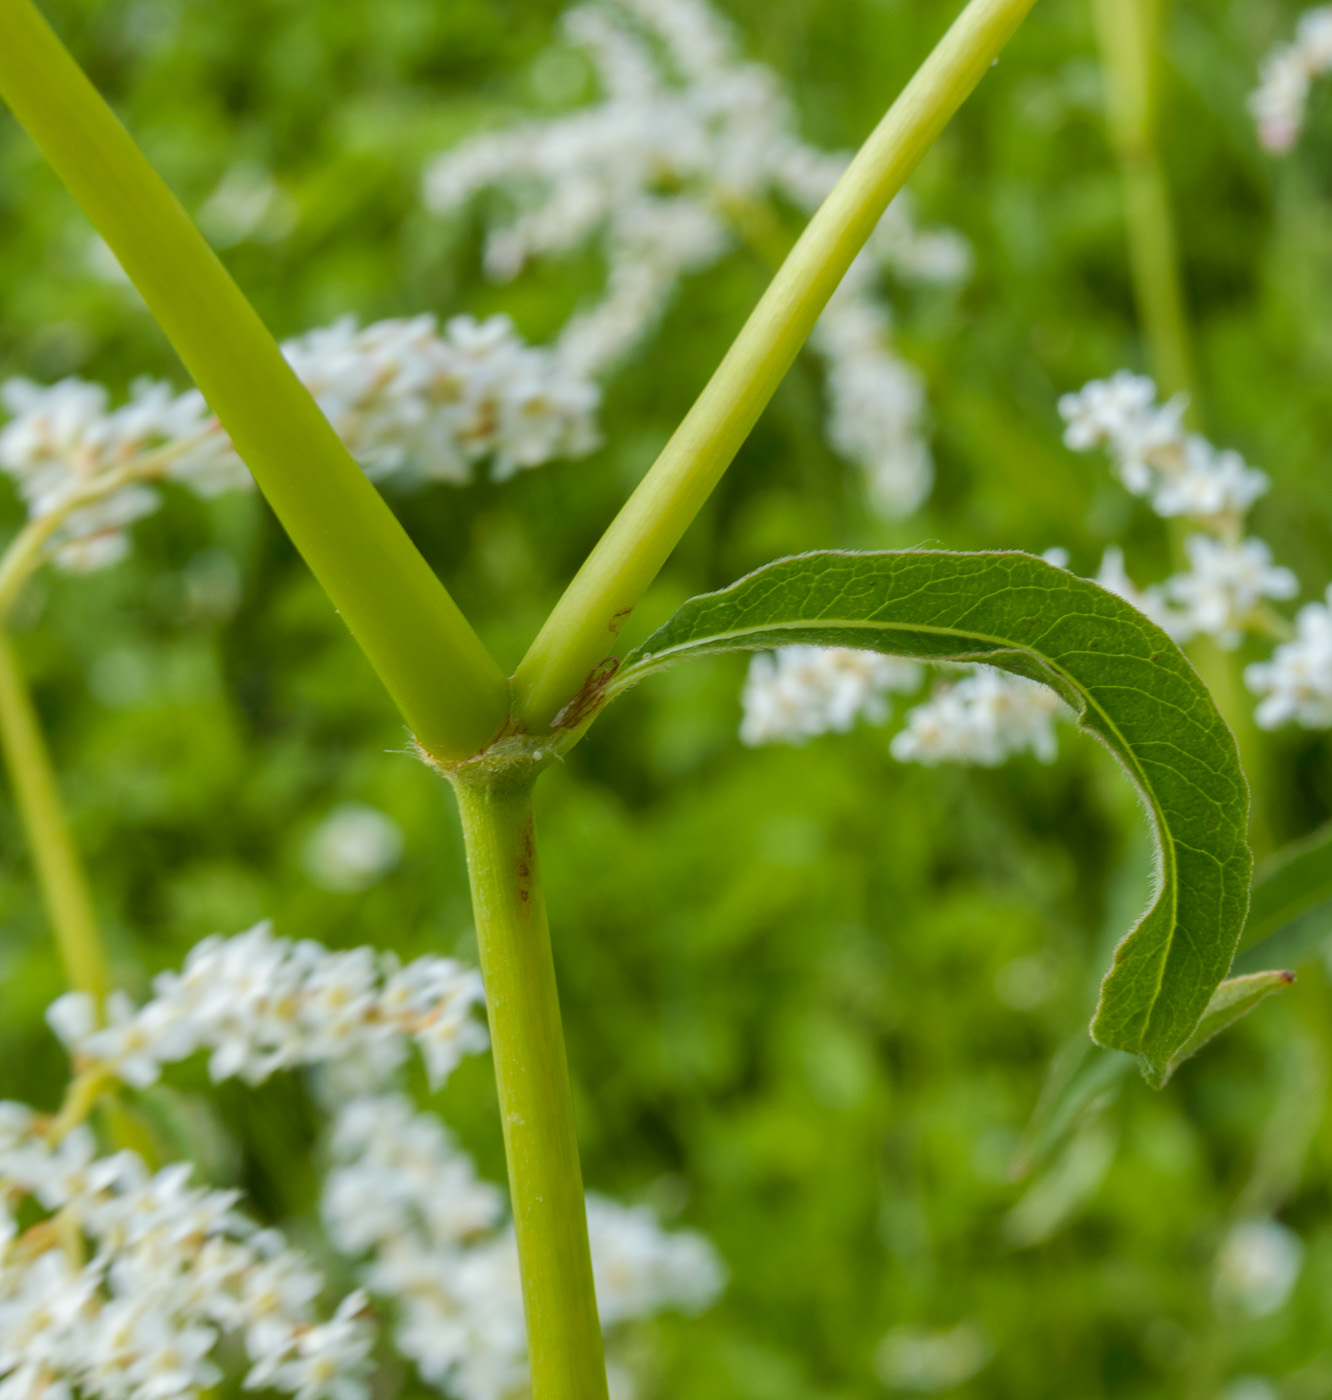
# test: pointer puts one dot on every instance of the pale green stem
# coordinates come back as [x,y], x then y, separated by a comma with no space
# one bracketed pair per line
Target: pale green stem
[83,1093]
[536,1106]
[25,555]
[27,551]
[1130,33]
[59,869]
[580,632]
[434,666]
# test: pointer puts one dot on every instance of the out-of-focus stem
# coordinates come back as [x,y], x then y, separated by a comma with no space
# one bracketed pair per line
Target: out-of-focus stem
[536,1105]
[1131,40]
[580,632]
[27,551]
[1130,34]
[59,869]
[82,1095]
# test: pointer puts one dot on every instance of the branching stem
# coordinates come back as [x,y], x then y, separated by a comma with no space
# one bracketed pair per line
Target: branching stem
[434,666]
[580,632]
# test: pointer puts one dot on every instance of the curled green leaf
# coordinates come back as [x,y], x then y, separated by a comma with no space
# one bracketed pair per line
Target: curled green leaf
[1125,680]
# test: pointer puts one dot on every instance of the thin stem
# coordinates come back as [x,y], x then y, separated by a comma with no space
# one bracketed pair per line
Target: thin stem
[580,631]
[59,869]
[27,551]
[82,1095]
[434,666]
[1130,34]
[536,1106]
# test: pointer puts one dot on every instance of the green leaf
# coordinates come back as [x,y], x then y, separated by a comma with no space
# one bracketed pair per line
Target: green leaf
[1235,997]
[1290,909]
[1083,1080]
[1128,684]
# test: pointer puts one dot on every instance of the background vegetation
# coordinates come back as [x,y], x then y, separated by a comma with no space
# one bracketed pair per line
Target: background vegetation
[811,994]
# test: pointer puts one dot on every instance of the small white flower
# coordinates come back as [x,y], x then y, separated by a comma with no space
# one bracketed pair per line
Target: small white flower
[352,848]
[1257,1267]
[688,148]
[1225,583]
[640,1270]
[984,718]
[172,1266]
[798,692]
[404,1199]
[73,1018]
[258,1004]
[1296,684]
[876,401]
[1121,414]
[247,203]
[406,398]
[326,1361]
[1211,483]
[1288,72]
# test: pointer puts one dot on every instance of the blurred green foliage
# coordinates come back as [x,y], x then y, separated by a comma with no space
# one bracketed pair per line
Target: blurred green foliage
[811,994]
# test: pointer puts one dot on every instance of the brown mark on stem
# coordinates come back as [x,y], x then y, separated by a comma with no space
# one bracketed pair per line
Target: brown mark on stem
[526,862]
[588,700]
[617,621]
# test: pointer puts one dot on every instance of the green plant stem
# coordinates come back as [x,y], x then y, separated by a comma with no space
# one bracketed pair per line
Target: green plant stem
[59,869]
[536,1105]
[580,632]
[1130,35]
[434,666]
[27,551]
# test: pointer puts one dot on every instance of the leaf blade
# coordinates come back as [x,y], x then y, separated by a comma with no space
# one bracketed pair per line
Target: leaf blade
[1234,998]
[1126,680]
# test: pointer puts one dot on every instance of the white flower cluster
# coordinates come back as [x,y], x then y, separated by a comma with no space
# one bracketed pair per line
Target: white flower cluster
[121,1283]
[259,1004]
[403,1196]
[985,718]
[1231,578]
[1181,474]
[1296,684]
[688,149]
[1288,72]
[407,399]
[799,692]
[73,456]
[123,1287]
